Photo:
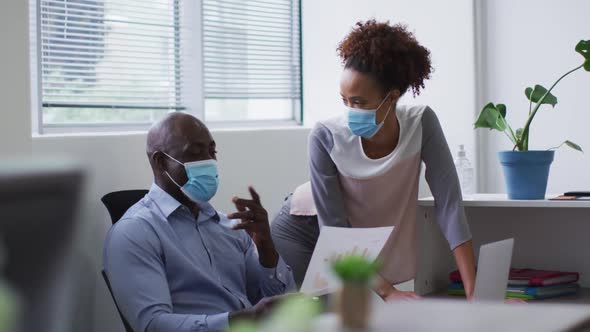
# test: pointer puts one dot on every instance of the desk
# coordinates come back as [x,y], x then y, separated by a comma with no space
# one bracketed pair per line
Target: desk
[444,315]
[553,235]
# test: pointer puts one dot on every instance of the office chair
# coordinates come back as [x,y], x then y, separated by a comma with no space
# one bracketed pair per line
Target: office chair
[125,323]
[117,204]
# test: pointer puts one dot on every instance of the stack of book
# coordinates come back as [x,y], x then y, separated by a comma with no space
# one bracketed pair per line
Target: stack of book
[529,284]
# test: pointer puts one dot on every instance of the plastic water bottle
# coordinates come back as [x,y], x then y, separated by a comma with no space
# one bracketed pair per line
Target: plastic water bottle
[465,173]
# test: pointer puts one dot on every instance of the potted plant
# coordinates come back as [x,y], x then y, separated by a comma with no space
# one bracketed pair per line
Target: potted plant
[353,302]
[525,171]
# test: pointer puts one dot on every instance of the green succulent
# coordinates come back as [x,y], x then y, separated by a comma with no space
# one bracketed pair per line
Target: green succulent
[355,268]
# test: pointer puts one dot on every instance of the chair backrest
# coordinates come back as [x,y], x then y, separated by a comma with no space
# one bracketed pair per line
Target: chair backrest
[118,202]
[125,323]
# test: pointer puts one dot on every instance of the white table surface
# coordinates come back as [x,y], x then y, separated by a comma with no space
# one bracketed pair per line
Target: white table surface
[449,315]
[501,200]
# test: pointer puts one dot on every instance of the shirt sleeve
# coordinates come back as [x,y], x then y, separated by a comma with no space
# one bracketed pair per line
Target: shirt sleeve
[443,181]
[135,268]
[265,282]
[325,184]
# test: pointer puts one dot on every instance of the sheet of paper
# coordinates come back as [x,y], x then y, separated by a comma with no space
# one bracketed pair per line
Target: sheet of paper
[336,242]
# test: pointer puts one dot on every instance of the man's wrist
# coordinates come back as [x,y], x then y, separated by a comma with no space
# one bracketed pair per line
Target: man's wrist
[268,255]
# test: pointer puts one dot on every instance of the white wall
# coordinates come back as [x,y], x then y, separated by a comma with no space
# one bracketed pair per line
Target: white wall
[15,126]
[530,42]
[274,161]
[444,27]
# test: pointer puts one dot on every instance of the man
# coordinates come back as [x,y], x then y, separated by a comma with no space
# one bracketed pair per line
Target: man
[174,263]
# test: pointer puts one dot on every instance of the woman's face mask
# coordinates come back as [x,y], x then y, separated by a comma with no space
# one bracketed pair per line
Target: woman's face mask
[363,122]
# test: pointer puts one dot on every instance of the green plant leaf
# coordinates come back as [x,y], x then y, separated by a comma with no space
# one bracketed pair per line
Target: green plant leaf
[355,268]
[244,326]
[538,93]
[502,109]
[583,47]
[294,313]
[573,145]
[491,117]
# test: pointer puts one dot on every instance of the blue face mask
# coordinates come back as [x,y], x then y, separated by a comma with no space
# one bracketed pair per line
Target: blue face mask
[203,179]
[363,123]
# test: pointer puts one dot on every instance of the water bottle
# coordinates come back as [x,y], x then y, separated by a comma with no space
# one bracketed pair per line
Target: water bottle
[465,173]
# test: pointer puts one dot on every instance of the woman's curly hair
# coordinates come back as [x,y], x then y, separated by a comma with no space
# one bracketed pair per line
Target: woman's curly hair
[388,53]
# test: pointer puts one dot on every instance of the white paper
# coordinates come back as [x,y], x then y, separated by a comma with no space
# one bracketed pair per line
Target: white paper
[334,243]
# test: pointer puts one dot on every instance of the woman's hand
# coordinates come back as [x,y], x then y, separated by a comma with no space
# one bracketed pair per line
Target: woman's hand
[389,293]
[398,295]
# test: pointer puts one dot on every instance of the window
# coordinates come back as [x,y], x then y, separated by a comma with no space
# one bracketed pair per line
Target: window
[251,59]
[103,64]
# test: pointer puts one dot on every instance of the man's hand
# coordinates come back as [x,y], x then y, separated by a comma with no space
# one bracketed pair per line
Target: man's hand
[260,310]
[254,220]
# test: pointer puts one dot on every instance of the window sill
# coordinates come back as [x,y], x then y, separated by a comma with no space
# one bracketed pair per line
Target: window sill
[140,130]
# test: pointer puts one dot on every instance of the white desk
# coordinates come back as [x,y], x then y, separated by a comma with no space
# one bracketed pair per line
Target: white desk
[440,315]
[552,235]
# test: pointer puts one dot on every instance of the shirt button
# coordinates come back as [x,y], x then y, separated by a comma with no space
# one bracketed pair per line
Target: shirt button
[280,275]
[271,276]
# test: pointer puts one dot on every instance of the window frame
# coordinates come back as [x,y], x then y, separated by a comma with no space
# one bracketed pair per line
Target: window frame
[192,89]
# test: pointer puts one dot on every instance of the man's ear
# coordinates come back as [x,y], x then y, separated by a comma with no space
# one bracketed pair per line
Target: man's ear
[159,161]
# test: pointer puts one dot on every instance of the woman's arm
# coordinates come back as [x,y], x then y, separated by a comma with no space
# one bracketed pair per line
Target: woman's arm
[325,185]
[444,183]
[466,263]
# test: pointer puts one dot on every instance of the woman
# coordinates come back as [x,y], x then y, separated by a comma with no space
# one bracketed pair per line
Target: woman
[365,164]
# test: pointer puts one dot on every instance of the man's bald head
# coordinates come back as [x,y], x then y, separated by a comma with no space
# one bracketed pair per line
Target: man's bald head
[181,136]
[173,130]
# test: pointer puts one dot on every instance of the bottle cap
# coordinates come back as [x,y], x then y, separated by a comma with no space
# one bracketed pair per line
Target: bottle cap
[461,151]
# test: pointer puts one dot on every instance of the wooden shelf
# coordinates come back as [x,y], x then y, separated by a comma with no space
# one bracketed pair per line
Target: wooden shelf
[501,200]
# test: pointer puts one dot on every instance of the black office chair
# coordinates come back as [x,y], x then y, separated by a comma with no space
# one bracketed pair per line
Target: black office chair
[117,203]
[125,323]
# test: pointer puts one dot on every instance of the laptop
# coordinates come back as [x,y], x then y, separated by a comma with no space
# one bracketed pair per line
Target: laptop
[493,269]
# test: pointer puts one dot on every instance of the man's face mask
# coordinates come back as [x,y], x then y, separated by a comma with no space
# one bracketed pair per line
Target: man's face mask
[203,179]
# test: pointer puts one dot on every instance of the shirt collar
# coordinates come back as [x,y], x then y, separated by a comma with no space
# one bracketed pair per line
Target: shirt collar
[163,200]
[169,204]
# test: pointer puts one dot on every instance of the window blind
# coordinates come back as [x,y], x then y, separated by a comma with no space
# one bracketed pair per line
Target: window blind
[109,54]
[251,49]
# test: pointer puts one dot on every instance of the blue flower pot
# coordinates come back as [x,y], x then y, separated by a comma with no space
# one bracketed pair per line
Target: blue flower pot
[526,173]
